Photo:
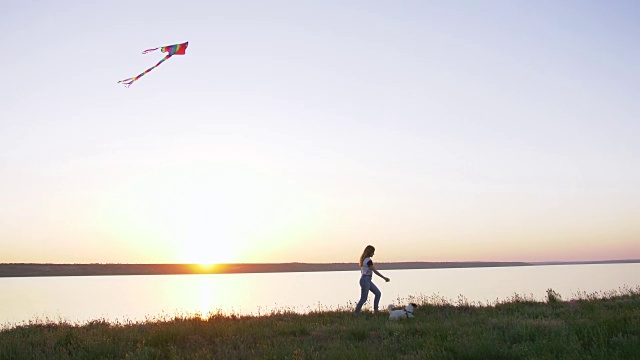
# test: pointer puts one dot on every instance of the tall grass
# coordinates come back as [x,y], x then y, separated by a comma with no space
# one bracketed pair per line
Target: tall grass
[593,326]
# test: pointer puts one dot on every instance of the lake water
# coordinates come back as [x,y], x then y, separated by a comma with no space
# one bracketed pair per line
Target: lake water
[139,298]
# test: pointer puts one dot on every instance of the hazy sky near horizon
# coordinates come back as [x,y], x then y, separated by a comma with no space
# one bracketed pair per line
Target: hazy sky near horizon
[301,131]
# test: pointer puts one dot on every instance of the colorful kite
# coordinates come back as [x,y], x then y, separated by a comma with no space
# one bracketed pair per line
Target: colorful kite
[178,49]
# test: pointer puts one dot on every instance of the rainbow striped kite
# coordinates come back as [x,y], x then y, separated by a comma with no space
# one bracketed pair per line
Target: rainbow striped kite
[178,49]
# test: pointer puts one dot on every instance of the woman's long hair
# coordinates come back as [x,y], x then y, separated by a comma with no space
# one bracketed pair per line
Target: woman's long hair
[368,251]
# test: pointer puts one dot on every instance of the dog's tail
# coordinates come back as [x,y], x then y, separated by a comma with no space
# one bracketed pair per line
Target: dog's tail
[390,308]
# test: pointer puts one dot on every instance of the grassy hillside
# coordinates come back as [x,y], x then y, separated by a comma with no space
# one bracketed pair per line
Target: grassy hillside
[596,326]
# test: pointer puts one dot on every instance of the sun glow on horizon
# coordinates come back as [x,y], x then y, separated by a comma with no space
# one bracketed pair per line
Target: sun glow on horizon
[206,266]
[193,216]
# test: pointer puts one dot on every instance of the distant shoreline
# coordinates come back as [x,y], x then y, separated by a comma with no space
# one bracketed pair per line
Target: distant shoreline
[42,270]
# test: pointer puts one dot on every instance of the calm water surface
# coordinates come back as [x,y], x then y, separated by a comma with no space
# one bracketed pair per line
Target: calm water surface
[138,298]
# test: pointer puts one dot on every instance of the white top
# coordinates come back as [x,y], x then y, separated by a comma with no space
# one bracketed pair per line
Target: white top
[365,266]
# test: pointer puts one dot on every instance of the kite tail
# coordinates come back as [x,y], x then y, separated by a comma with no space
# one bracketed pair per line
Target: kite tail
[149,50]
[129,81]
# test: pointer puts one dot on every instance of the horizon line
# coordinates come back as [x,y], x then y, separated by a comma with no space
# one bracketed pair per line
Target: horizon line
[330,263]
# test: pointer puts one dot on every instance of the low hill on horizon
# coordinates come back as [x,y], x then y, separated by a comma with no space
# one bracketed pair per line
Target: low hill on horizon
[37,270]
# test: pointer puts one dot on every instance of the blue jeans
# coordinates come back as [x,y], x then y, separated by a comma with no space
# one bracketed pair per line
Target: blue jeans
[365,286]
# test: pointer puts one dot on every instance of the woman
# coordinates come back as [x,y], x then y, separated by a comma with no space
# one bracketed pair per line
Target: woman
[367,269]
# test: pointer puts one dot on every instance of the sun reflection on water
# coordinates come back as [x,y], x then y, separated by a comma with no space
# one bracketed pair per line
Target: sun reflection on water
[210,293]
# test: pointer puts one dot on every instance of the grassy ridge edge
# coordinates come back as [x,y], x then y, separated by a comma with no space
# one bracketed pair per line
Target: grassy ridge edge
[594,326]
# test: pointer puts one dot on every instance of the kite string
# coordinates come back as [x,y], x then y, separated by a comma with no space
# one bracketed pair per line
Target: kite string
[129,81]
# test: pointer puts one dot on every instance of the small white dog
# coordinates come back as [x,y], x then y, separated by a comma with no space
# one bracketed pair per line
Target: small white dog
[405,313]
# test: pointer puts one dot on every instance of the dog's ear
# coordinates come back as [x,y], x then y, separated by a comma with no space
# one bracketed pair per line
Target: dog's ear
[414,305]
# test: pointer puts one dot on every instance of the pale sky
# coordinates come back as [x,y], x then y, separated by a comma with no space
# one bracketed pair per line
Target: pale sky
[302,131]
